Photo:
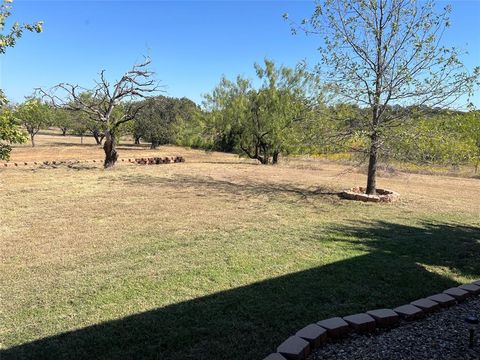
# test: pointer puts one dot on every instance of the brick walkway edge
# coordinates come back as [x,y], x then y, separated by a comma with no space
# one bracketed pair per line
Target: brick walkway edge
[311,337]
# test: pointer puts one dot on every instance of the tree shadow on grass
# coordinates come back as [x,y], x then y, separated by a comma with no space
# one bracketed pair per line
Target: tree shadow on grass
[249,322]
[273,191]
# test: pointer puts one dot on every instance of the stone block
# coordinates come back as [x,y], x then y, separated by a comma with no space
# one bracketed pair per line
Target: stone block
[408,312]
[275,356]
[457,293]
[384,317]
[335,326]
[471,288]
[361,322]
[443,299]
[427,305]
[314,334]
[294,348]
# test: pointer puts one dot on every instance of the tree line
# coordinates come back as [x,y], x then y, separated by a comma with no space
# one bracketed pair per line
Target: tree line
[285,115]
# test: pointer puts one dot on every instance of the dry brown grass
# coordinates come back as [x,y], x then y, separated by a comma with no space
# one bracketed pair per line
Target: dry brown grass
[83,245]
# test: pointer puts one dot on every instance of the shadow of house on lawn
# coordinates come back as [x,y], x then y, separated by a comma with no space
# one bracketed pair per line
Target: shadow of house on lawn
[249,322]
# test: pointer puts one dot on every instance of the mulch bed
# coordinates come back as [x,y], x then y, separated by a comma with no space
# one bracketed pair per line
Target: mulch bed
[443,335]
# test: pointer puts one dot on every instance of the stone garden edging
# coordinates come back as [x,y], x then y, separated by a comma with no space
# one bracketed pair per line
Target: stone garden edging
[313,336]
[358,193]
[141,161]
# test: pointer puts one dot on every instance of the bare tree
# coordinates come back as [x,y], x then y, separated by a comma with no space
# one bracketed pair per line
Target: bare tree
[387,57]
[110,106]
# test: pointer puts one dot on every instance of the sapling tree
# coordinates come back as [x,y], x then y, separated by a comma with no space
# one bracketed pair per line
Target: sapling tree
[387,56]
[34,115]
[109,105]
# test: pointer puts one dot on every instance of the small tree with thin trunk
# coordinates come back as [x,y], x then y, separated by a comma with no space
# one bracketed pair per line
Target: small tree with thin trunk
[109,106]
[387,56]
[34,116]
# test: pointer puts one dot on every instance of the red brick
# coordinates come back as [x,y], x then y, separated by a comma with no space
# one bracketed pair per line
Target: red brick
[294,348]
[360,322]
[426,305]
[457,293]
[471,288]
[384,317]
[314,334]
[335,326]
[275,356]
[408,312]
[443,299]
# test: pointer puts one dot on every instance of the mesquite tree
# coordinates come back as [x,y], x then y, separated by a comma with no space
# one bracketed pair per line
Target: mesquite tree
[387,56]
[261,122]
[108,105]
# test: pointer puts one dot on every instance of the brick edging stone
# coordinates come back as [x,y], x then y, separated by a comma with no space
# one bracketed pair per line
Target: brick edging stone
[313,336]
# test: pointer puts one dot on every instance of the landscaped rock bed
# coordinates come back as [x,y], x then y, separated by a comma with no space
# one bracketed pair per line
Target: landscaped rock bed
[358,193]
[442,335]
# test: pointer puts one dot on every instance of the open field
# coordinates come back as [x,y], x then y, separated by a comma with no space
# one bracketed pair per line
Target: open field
[213,258]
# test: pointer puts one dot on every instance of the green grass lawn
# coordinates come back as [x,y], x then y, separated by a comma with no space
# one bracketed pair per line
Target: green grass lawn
[212,260]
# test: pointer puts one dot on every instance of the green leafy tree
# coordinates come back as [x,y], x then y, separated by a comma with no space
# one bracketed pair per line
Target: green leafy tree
[380,54]
[9,37]
[156,120]
[261,123]
[9,131]
[193,130]
[62,119]
[471,127]
[34,116]
[80,124]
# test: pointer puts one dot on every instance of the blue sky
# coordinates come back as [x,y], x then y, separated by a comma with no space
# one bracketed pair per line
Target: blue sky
[191,43]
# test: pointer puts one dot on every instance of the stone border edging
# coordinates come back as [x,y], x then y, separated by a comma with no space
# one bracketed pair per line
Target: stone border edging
[141,161]
[358,193]
[313,336]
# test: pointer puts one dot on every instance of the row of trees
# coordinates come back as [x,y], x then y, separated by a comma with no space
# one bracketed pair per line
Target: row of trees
[34,115]
[278,117]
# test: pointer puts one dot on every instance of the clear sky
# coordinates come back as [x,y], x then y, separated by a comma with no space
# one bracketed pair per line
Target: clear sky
[191,43]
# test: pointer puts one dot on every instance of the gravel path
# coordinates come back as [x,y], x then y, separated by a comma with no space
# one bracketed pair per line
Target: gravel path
[443,335]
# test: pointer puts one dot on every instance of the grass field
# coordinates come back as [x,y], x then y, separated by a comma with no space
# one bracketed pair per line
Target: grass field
[214,258]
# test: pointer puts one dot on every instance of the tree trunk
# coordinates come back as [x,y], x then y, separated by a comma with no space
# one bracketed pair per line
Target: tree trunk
[95,136]
[276,153]
[81,139]
[109,147]
[32,138]
[98,137]
[372,166]
[64,131]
